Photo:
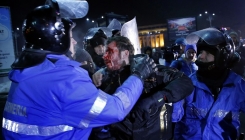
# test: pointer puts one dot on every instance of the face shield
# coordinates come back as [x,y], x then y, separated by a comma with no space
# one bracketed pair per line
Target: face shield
[92,31]
[72,9]
[211,36]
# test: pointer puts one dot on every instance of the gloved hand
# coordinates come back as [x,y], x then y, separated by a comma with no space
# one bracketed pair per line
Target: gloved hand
[145,107]
[99,76]
[142,66]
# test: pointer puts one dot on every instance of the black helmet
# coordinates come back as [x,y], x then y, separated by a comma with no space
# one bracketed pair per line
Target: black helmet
[116,32]
[96,36]
[217,43]
[45,33]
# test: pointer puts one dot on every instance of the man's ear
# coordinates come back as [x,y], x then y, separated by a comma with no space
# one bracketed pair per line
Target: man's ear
[125,54]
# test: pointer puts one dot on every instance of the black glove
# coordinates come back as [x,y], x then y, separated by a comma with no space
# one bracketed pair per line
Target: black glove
[142,66]
[146,107]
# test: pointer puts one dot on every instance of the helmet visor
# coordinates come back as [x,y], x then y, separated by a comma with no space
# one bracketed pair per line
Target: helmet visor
[211,36]
[72,9]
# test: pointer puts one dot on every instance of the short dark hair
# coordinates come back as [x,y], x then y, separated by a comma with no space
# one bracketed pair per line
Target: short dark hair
[122,43]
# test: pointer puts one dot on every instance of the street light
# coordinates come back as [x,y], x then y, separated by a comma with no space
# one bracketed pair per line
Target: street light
[210,17]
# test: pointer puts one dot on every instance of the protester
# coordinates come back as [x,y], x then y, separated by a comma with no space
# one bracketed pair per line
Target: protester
[150,119]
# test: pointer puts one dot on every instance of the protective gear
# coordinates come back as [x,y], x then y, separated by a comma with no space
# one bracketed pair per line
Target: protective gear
[49,35]
[72,9]
[100,32]
[138,67]
[96,41]
[214,39]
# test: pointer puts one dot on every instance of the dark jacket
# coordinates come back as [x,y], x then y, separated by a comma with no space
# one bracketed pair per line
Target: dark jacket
[159,126]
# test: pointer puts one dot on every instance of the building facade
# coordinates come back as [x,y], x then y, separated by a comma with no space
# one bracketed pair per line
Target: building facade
[153,35]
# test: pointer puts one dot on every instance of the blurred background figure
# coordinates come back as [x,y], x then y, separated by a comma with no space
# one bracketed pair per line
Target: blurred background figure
[179,46]
[239,68]
[186,63]
[168,56]
[148,51]
[95,40]
[85,59]
[235,39]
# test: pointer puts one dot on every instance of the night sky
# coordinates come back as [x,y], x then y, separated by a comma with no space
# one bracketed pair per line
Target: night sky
[229,13]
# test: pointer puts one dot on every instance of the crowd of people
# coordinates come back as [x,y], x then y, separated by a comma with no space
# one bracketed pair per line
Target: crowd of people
[104,91]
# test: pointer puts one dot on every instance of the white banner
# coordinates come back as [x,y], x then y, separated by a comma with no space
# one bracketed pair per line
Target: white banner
[7,55]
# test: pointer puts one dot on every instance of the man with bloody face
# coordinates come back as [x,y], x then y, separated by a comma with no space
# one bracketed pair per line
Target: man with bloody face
[117,54]
[162,87]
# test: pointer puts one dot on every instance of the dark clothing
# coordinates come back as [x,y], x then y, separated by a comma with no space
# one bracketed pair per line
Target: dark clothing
[97,59]
[83,57]
[239,67]
[173,84]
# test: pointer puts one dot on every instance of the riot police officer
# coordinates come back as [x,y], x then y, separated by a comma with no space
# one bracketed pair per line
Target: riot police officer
[51,96]
[94,41]
[212,110]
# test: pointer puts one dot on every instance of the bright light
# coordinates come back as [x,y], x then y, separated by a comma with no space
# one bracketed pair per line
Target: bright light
[17,28]
[87,19]
[206,12]
[200,15]
[92,20]
[213,14]
[102,17]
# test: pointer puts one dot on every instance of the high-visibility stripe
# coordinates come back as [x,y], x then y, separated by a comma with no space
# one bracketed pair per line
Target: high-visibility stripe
[223,113]
[124,98]
[36,130]
[96,109]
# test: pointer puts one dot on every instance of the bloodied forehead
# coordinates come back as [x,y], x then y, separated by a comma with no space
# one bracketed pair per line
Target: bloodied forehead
[112,47]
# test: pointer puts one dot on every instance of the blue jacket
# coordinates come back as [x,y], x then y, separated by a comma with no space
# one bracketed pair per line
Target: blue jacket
[199,117]
[183,66]
[58,101]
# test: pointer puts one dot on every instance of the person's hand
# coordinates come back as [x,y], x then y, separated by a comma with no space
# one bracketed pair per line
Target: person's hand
[97,78]
[142,66]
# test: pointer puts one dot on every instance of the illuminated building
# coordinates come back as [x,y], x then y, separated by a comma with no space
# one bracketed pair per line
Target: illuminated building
[152,35]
